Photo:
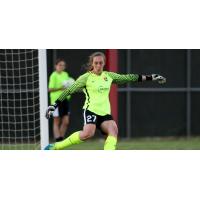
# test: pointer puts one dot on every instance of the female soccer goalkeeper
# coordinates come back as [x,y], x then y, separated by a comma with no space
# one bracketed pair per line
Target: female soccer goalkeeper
[96,85]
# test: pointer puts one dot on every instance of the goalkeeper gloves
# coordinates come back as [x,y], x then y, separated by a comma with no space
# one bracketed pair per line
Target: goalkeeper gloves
[50,110]
[153,77]
[158,78]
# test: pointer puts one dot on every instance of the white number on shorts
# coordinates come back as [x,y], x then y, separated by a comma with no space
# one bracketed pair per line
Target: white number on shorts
[91,118]
[94,118]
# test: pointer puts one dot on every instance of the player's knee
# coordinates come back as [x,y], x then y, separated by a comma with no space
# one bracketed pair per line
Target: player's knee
[113,130]
[86,135]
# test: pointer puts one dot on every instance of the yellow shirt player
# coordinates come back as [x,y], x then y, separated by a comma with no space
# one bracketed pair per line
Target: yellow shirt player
[96,85]
[58,82]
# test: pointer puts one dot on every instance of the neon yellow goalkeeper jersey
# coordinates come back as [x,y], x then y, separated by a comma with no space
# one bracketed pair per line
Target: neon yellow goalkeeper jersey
[97,89]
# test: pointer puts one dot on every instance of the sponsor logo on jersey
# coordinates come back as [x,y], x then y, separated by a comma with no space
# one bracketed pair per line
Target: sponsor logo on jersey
[105,78]
[102,88]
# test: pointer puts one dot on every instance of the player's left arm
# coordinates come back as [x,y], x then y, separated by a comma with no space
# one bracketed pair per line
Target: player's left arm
[77,86]
[126,78]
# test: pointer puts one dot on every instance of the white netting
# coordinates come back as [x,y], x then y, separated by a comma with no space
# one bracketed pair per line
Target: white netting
[19,99]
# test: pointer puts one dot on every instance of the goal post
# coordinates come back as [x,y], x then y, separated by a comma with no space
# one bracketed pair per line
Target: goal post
[23,99]
[44,128]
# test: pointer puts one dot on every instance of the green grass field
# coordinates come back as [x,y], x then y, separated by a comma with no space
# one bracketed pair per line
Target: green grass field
[134,144]
[145,144]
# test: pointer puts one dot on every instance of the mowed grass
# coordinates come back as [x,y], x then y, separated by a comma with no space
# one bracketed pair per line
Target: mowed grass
[133,144]
[145,144]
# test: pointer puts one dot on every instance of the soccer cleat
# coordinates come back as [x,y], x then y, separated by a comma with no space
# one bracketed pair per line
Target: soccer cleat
[49,147]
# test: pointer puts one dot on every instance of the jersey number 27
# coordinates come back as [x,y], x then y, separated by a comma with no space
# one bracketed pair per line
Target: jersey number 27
[91,118]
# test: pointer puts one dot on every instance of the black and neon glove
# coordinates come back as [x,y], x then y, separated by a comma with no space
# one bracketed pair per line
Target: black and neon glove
[158,78]
[49,112]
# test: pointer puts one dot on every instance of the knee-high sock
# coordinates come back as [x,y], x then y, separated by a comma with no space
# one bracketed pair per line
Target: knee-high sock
[110,143]
[71,140]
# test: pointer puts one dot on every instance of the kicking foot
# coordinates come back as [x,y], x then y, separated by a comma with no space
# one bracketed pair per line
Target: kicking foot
[49,147]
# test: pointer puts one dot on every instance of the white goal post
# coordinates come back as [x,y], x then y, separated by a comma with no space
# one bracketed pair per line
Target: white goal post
[44,127]
[23,99]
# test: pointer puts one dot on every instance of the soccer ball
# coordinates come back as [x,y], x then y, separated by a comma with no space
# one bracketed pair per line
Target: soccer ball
[68,83]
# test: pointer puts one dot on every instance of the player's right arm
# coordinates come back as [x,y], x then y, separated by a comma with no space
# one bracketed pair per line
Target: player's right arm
[78,86]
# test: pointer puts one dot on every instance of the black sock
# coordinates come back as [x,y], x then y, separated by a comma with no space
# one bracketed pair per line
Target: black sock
[59,139]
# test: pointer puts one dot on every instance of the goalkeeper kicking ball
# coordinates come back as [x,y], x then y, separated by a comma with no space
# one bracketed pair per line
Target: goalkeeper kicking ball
[68,83]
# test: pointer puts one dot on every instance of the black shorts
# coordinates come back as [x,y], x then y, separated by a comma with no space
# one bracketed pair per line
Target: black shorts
[92,118]
[62,110]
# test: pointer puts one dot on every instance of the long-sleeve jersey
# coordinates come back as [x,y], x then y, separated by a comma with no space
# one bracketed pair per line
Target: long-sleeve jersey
[97,89]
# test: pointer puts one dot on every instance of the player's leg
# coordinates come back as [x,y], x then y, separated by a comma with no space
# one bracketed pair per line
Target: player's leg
[87,132]
[75,138]
[64,125]
[64,114]
[56,125]
[90,120]
[110,128]
[79,136]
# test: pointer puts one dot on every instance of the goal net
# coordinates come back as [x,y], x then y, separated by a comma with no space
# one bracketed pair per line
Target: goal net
[20,109]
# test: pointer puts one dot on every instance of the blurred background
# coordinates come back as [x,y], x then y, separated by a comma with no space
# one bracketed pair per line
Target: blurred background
[144,109]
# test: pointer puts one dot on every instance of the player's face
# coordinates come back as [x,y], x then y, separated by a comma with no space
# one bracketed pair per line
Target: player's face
[98,64]
[60,66]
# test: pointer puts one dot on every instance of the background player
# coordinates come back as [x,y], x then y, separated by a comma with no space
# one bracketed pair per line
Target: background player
[96,85]
[59,81]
